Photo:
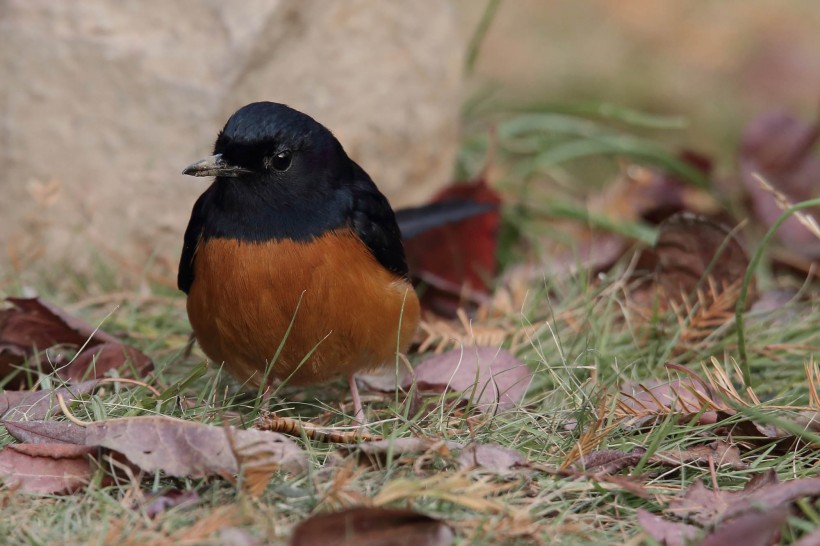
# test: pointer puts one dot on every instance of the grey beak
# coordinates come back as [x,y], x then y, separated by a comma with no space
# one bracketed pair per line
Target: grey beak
[213,166]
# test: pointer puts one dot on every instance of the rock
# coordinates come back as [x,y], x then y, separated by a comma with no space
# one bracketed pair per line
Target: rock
[103,103]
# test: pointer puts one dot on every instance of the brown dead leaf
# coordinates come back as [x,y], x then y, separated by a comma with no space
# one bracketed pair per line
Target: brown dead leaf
[780,148]
[167,499]
[46,432]
[653,397]
[687,246]
[46,468]
[667,533]
[376,453]
[492,379]
[96,361]
[33,325]
[491,457]
[752,529]
[365,526]
[763,492]
[607,461]
[193,450]
[35,405]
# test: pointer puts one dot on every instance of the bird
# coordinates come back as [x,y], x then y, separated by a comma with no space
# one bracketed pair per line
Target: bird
[292,260]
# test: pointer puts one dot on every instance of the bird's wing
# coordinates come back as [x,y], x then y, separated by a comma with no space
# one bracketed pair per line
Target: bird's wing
[374,223]
[185,275]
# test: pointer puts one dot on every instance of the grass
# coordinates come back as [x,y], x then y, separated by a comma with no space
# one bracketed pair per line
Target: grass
[579,334]
[580,347]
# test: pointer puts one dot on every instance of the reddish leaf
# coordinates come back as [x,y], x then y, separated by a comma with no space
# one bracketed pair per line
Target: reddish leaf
[666,532]
[46,468]
[35,405]
[194,450]
[491,457]
[607,461]
[780,148]
[686,247]
[98,360]
[46,432]
[167,499]
[493,379]
[677,395]
[763,492]
[457,256]
[33,325]
[752,529]
[364,526]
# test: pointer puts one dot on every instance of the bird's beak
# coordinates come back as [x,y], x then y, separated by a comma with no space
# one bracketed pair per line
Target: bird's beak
[213,166]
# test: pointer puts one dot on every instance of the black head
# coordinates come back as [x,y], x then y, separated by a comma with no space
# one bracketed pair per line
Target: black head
[278,172]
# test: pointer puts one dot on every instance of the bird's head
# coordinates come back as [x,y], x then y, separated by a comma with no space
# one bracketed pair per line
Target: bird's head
[270,144]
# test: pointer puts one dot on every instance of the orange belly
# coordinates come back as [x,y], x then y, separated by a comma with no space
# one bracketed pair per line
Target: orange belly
[345,312]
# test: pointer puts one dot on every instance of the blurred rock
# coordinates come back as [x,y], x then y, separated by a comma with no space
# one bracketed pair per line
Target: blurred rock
[103,103]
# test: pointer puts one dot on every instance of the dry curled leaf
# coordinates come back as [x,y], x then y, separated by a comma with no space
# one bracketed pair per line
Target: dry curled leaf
[46,468]
[35,405]
[491,379]
[692,249]
[366,526]
[763,492]
[193,450]
[752,529]
[667,533]
[33,325]
[167,499]
[46,432]
[491,457]
[607,461]
[781,149]
[377,453]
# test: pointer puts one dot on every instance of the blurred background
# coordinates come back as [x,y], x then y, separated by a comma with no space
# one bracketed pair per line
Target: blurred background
[103,103]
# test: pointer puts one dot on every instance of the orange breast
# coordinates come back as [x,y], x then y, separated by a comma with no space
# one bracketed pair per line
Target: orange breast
[345,311]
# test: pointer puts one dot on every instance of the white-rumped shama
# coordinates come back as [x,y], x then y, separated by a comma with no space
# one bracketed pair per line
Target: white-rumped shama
[293,258]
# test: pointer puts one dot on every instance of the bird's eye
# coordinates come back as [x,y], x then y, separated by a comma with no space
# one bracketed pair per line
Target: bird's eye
[281,161]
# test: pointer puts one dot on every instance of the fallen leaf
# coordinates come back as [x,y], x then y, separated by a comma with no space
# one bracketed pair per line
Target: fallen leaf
[763,492]
[492,379]
[691,248]
[491,457]
[377,453]
[366,526]
[46,432]
[458,258]
[46,468]
[98,360]
[667,533]
[187,449]
[237,536]
[780,148]
[607,461]
[33,325]
[35,405]
[656,397]
[163,501]
[752,529]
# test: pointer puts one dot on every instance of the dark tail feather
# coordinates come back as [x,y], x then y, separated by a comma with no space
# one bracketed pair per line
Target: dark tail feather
[414,221]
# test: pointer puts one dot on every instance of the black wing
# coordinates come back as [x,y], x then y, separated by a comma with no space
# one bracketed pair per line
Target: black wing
[185,275]
[374,221]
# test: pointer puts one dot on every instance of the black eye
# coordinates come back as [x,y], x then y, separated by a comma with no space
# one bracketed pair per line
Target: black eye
[281,161]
